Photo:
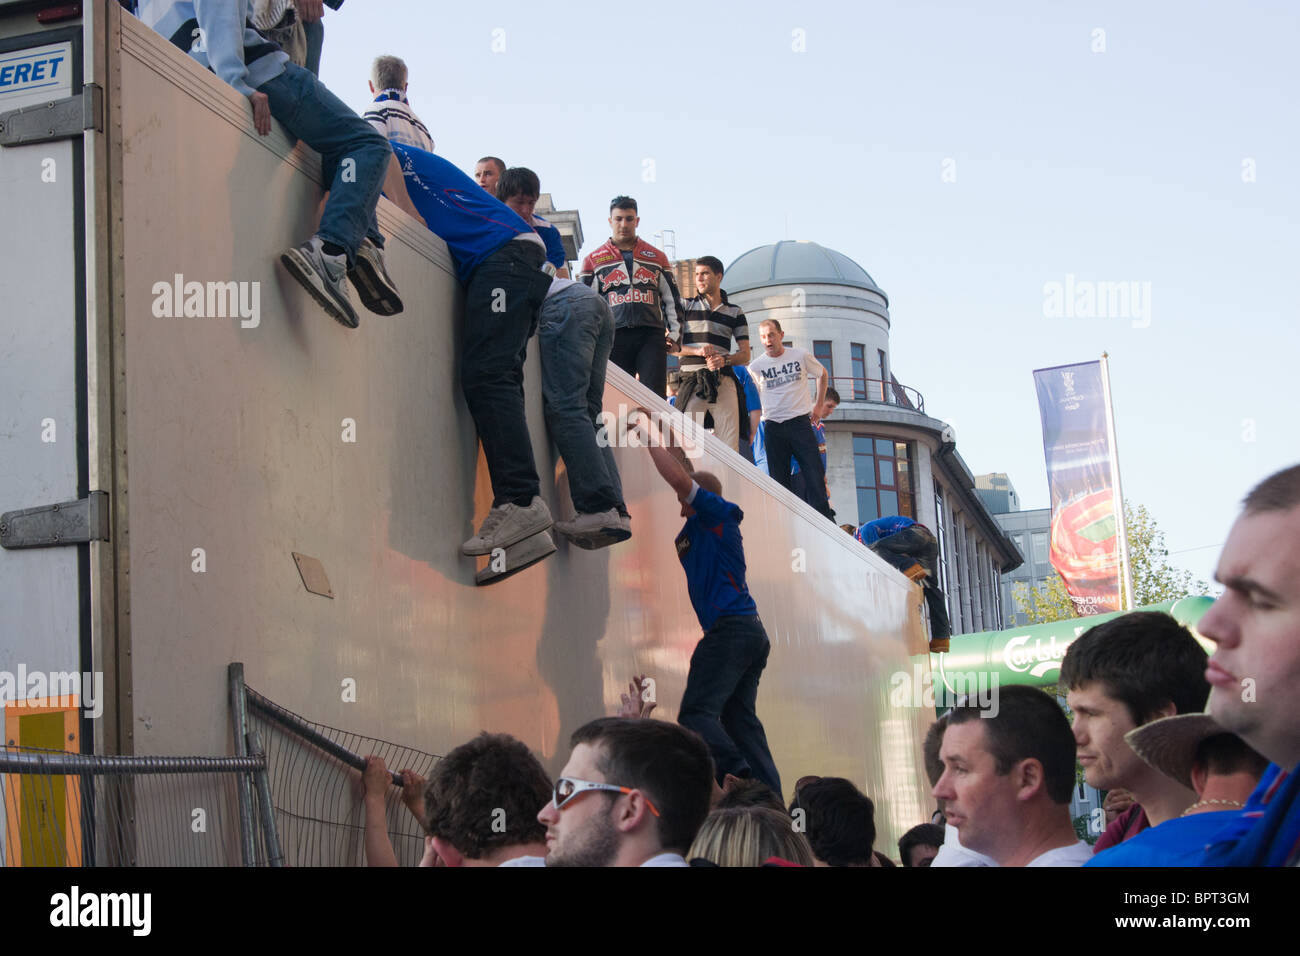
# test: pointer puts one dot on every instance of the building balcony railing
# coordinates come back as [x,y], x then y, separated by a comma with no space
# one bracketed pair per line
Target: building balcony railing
[880,392]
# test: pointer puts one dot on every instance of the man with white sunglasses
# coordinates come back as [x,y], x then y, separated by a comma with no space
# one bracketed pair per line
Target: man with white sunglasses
[632,794]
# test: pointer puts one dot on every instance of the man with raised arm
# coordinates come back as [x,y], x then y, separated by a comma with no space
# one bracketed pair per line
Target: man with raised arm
[721,694]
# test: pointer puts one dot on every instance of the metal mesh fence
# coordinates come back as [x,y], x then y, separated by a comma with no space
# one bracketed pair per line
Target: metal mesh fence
[315,781]
[64,809]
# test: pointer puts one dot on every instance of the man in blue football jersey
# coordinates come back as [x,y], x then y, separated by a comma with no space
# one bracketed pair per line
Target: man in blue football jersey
[721,694]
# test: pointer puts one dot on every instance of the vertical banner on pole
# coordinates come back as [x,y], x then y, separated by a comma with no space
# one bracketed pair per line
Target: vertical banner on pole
[1084,540]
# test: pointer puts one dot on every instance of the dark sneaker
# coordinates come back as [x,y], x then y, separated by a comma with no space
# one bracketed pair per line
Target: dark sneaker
[323,277]
[592,531]
[375,287]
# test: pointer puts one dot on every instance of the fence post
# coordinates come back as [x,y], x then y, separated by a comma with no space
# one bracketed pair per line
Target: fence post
[274,857]
[243,783]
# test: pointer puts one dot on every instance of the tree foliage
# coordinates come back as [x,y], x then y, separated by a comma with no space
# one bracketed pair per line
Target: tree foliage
[1154,579]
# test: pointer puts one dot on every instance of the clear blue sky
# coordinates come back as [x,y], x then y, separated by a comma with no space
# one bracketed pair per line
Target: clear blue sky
[1122,165]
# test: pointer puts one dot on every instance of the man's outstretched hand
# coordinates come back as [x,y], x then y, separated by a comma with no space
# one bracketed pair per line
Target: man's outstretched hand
[635,702]
[261,112]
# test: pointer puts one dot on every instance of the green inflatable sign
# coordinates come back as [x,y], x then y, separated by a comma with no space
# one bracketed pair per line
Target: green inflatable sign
[1032,655]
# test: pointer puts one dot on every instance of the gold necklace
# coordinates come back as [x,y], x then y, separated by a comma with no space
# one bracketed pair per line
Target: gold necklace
[1206,803]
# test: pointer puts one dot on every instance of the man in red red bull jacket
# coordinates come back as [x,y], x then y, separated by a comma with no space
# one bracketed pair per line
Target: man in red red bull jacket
[637,281]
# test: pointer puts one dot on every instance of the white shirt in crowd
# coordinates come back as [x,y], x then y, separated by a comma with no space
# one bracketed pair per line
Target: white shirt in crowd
[1076,855]
[783,383]
[952,853]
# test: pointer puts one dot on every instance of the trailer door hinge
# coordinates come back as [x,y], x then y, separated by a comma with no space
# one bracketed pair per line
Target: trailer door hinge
[67,118]
[48,526]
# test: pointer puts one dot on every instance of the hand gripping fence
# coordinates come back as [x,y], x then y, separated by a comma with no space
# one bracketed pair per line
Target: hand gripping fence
[314,779]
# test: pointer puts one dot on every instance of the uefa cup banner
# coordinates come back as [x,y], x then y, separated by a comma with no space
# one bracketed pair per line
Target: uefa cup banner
[1084,549]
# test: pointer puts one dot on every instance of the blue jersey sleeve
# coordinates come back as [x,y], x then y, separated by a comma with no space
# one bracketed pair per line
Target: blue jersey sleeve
[715,509]
[554,246]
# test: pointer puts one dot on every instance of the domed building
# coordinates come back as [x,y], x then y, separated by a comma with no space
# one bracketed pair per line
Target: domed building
[885,453]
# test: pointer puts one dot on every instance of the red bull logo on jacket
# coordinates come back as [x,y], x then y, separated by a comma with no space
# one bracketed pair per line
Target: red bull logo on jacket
[615,277]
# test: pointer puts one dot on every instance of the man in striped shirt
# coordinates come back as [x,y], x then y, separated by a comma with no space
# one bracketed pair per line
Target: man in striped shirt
[391,114]
[709,323]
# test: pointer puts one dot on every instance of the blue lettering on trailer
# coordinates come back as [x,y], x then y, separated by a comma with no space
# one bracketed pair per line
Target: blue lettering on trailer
[31,71]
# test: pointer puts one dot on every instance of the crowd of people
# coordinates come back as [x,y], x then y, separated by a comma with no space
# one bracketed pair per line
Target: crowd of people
[1201,755]
[1205,788]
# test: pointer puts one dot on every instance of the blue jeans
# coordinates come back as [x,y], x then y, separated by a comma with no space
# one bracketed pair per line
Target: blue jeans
[575,332]
[501,302]
[721,698]
[320,119]
[796,438]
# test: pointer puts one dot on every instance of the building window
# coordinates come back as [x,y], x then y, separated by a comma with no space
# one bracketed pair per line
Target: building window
[883,469]
[859,355]
[822,353]
[884,375]
[941,533]
[1041,555]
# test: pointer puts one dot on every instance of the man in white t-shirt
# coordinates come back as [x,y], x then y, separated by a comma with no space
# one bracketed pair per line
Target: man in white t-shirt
[781,375]
[1008,774]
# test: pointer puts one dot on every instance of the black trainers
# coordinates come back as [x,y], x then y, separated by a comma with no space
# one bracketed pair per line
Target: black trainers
[375,288]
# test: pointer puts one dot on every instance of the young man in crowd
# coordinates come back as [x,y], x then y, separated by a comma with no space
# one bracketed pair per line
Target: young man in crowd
[487,171]
[637,281]
[1007,780]
[519,188]
[708,384]
[1119,675]
[1195,751]
[347,243]
[391,115]
[789,411]
[633,793]
[839,821]
[575,333]
[478,807]
[498,258]
[1256,666]
[920,845]
[721,696]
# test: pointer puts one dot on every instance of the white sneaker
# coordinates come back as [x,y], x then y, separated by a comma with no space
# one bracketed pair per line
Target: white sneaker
[593,531]
[508,524]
